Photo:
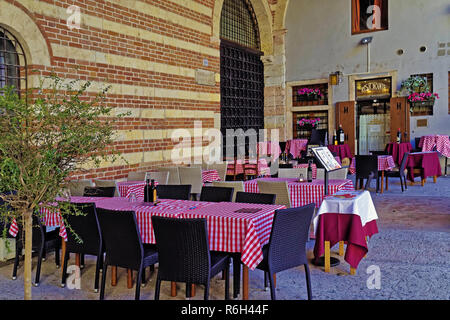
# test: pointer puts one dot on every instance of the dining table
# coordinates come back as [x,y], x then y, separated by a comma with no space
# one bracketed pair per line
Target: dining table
[295,147]
[438,142]
[341,150]
[269,148]
[303,193]
[424,164]
[237,167]
[240,228]
[397,150]
[385,163]
[346,217]
[306,165]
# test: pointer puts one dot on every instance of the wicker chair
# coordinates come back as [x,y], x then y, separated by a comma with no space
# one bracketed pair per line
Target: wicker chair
[340,174]
[216,194]
[287,245]
[87,228]
[292,173]
[192,176]
[221,169]
[99,192]
[174,175]
[171,191]
[76,187]
[184,254]
[124,246]
[107,183]
[280,188]
[236,185]
[136,176]
[162,177]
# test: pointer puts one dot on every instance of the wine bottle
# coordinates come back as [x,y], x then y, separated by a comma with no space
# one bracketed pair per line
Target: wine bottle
[153,191]
[309,174]
[399,136]
[341,135]
[335,140]
[147,191]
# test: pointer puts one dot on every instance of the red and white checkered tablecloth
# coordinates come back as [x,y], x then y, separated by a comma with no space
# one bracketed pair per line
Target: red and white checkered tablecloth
[303,193]
[210,176]
[305,165]
[126,188]
[229,231]
[296,146]
[267,148]
[263,168]
[385,163]
[441,142]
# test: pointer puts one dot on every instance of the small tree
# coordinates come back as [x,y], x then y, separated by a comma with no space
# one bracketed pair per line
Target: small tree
[63,130]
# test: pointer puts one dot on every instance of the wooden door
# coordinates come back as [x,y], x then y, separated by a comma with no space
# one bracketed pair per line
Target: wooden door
[400,118]
[345,116]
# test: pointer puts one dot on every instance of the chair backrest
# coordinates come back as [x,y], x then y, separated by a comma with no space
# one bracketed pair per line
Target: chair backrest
[121,238]
[318,136]
[338,174]
[99,192]
[221,169]
[136,176]
[174,175]
[365,164]
[76,187]
[183,249]
[107,183]
[280,188]
[292,173]
[161,176]
[403,164]
[172,191]
[236,185]
[285,166]
[216,194]
[250,197]
[86,228]
[320,174]
[192,176]
[288,237]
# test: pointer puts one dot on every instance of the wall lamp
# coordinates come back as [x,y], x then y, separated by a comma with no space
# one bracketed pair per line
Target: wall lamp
[336,78]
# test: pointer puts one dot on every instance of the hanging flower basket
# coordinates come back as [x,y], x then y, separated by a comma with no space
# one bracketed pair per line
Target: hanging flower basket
[419,93]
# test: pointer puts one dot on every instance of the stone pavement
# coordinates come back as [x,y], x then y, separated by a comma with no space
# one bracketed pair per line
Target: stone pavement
[411,252]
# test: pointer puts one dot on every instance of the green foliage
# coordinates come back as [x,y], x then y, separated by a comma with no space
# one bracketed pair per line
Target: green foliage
[415,84]
[60,128]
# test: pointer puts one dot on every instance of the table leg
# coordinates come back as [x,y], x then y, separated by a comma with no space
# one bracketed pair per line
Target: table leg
[113,276]
[387,183]
[192,290]
[245,282]
[382,180]
[423,182]
[434,179]
[77,259]
[341,248]
[63,253]
[327,256]
[129,278]
[352,271]
[173,289]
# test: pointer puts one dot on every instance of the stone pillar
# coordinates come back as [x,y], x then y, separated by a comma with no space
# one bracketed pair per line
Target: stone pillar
[275,88]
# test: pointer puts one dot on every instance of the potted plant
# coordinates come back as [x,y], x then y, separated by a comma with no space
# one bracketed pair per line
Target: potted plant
[309,94]
[418,92]
[308,124]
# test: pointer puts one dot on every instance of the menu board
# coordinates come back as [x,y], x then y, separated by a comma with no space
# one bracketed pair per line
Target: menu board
[324,155]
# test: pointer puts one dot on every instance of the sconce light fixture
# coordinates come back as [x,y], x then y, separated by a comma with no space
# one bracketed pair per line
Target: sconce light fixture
[366,40]
[336,78]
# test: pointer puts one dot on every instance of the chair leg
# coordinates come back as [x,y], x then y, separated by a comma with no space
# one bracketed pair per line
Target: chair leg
[97,271]
[102,287]
[64,269]
[236,277]
[82,261]
[266,283]
[401,182]
[308,281]
[227,282]
[16,262]
[157,288]
[138,285]
[38,268]
[207,291]
[272,286]
[188,290]
[57,257]
[143,276]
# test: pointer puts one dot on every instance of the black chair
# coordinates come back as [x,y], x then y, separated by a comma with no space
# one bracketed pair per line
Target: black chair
[123,245]
[216,194]
[42,242]
[287,245]
[318,137]
[86,228]
[247,197]
[184,254]
[398,173]
[285,166]
[177,192]
[365,165]
[99,192]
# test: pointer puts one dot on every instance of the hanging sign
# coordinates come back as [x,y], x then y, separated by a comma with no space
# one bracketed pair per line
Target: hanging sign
[373,88]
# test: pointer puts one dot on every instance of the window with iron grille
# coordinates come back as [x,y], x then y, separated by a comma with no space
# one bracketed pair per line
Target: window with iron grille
[12,62]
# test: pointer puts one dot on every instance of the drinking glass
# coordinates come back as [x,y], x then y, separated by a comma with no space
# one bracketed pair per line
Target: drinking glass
[132,197]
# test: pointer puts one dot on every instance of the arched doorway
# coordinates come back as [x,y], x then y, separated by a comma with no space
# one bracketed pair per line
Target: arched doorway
[12,62]
[242,72]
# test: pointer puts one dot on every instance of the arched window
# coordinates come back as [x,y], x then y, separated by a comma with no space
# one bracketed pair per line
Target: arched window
[12,62]
[238,23]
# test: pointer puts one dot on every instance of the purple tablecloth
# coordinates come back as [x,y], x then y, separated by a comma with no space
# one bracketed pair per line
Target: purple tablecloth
[427,161]
[342,150]
[397,150]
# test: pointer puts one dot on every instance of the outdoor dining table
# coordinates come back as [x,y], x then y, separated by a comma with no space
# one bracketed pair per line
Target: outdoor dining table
[263,167]
[269,148]
[439,142]
[296,146]
[397,150]
[426,164]
[385,163]
[303,193]
[341,150]
[305,165]
[345,217]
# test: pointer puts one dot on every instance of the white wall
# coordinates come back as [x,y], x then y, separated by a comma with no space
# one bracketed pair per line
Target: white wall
[319,41]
